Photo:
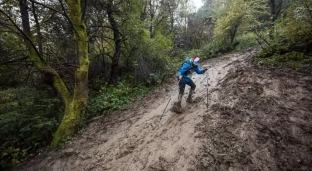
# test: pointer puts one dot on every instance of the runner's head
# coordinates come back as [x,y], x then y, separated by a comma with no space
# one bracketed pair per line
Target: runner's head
[196,60]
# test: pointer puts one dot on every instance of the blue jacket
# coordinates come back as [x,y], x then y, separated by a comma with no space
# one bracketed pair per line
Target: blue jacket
[187,69]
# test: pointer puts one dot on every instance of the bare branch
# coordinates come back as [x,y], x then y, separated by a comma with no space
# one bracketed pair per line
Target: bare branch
[23,34]
[53,9]
[13,61]
[37,28]
[46,6]
[84,10]
[279,8]
[65,14]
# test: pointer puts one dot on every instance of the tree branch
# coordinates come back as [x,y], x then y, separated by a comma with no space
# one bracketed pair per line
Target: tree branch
[13,61]
[279,8]
[84,10]
[37,28]
[65,14]
[23,34]
[46,6]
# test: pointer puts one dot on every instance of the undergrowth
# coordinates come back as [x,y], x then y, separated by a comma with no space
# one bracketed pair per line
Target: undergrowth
[294,60]
[111,98]
[241,42]
[27,121]
[29,117]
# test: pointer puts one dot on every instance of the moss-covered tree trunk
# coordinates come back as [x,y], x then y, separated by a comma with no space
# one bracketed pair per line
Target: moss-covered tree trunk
[76,106]
[35,55]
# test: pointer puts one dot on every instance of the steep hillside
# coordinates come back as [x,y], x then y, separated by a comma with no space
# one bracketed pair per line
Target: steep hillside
[257,119]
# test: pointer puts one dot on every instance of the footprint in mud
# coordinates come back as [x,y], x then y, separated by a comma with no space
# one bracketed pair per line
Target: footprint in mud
[175,118]
[191,107]
[187,108]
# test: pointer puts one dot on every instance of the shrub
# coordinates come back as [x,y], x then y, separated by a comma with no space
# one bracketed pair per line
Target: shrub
[244,41]
[293,60]
[110,99]
[28,119]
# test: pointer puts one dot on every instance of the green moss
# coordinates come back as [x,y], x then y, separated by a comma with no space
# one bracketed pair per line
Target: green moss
[76,107]
[65,129]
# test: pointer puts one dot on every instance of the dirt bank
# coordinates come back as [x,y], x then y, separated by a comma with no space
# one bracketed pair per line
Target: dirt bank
[257,119]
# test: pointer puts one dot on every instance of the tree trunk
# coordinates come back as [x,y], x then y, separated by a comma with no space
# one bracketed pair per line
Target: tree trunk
[35,56]
[117,40]
[75,108]
[274,11]
[152,15]
[233,34]
[75,104]
[37,28]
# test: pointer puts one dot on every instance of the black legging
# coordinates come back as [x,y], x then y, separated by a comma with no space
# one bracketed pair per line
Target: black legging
[182,86]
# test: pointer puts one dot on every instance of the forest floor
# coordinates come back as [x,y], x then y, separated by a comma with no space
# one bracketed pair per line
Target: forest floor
[258,119]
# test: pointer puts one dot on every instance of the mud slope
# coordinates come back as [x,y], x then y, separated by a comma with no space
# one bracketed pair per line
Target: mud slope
[257,119]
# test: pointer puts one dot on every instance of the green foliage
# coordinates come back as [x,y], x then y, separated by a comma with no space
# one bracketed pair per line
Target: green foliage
[291,46]
[197,52]
[28,119]
[152,63]
[194,52]
[15,154]
[296,29]
[211,49]
[234,26]
[214,49]
[157,49]
[275,47]
[244,41]
[146,52]
[293,60]
[228,24]
[178,56]
[110,99]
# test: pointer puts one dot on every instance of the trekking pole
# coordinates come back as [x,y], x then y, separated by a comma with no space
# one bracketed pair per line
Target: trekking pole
[174,89]
[207,85]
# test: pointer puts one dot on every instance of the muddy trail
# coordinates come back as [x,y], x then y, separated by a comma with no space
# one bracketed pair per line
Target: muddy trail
[257,119]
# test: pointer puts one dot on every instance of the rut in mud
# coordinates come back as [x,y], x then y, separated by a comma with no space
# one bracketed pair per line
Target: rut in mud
[257,119]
